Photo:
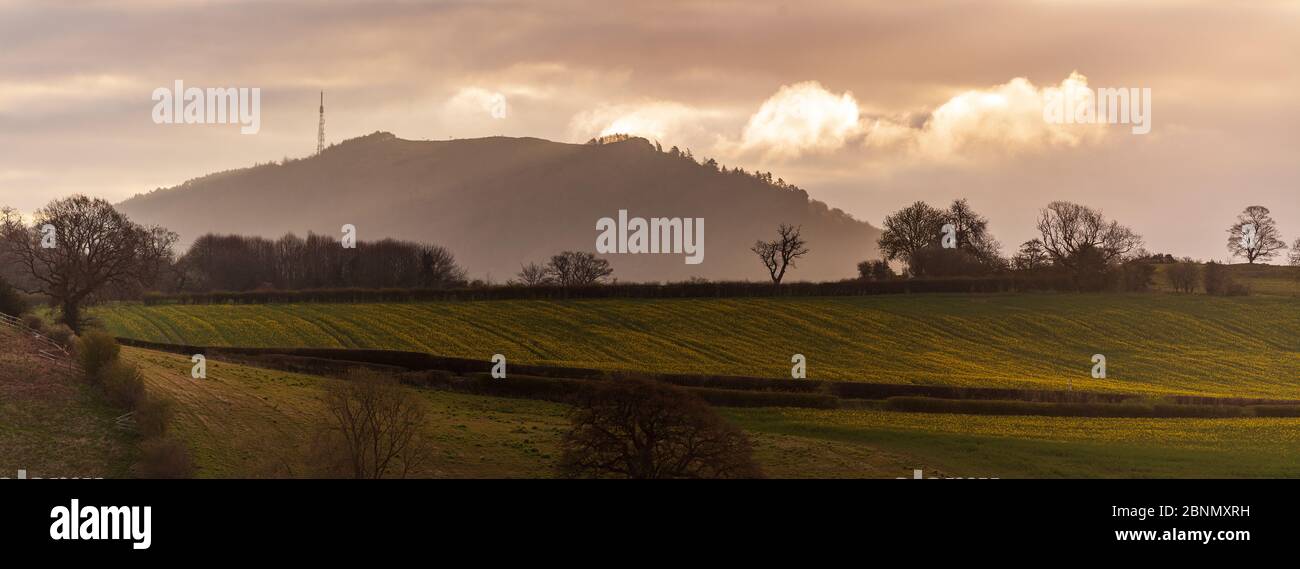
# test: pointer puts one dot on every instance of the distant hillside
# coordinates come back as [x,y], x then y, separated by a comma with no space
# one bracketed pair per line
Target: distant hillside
[499,202]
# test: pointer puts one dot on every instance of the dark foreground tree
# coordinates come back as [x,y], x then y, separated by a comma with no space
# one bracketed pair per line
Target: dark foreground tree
[645,429]
[375,429]
[1255,235]
[578,268]
[78,246]
[780,254]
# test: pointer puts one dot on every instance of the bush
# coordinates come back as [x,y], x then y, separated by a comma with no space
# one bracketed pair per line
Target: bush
[11,301]
[96,349]
[1183,276]
[123,384]
[152,416]
[1136,276]
[1219,282]
[62,334]
[647,429]
[34,322]
[165,457]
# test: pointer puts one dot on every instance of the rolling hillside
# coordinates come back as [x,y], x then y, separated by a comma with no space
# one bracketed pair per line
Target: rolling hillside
[250,422]
[52,424]
[1154,343]
[498,203]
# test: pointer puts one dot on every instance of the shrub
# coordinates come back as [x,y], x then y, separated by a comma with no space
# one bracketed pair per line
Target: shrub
[96,349]
[165,457]
[1136,276]
[11,301]
[34,322]
[123,384]
[647,429]
[152,416]
[1219,282]
[62,334]
[1183,276]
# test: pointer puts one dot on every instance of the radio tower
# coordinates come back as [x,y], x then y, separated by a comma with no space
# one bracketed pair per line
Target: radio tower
[320,133]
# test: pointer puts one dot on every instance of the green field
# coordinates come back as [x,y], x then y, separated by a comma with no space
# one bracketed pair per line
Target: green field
[1154,343]
[52,423]
[248,422]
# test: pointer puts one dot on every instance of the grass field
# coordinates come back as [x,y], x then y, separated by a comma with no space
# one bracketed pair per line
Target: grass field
[1154,343]
[53,424]
[245,421]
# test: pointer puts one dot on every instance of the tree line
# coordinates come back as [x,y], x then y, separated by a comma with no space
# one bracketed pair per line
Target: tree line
[79,250]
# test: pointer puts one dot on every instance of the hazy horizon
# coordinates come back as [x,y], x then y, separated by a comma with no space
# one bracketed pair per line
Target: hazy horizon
[867,106]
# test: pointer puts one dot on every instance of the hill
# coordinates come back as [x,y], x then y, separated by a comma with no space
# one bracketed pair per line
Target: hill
[1154,343]
[53,424]
[500,202]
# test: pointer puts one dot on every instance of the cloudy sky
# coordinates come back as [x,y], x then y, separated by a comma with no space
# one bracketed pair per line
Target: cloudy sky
[868,106]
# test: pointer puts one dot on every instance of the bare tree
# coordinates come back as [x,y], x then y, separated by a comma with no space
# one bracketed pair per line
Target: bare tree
[909,230]
[578,268]
[534,274]
[1069,229]
[780,255]
[1255,235]
[77,246]
[376,425]
[635,428]
[1031,256]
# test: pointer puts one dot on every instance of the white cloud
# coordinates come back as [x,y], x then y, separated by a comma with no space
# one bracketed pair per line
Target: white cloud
[1004,119]
[665,121]
[478,101]
[800,118]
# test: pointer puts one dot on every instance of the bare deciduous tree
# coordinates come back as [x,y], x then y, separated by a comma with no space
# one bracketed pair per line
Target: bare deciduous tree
[534,274]
[1069,229]
[376,426]
[578,268]
[644,429]
[909,230]
[1255,235]
[780,254]
[1031,256]
[77,246]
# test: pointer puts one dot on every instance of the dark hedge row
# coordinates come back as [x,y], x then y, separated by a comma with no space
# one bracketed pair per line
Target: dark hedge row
[965,285]
[335,362]
[1116,410]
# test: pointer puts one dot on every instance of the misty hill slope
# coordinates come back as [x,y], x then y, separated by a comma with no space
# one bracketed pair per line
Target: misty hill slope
[500,202]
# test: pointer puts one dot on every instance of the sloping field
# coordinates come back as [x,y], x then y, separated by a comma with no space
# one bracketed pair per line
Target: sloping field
[53,424]
[251,422]
[245,421]
[1153,343]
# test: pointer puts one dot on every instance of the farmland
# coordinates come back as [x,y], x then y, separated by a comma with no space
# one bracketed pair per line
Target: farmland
[52,423]
[1154,343]
[243,421]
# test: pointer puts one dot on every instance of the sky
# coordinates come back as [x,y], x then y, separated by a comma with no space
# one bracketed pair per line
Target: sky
[868,106]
